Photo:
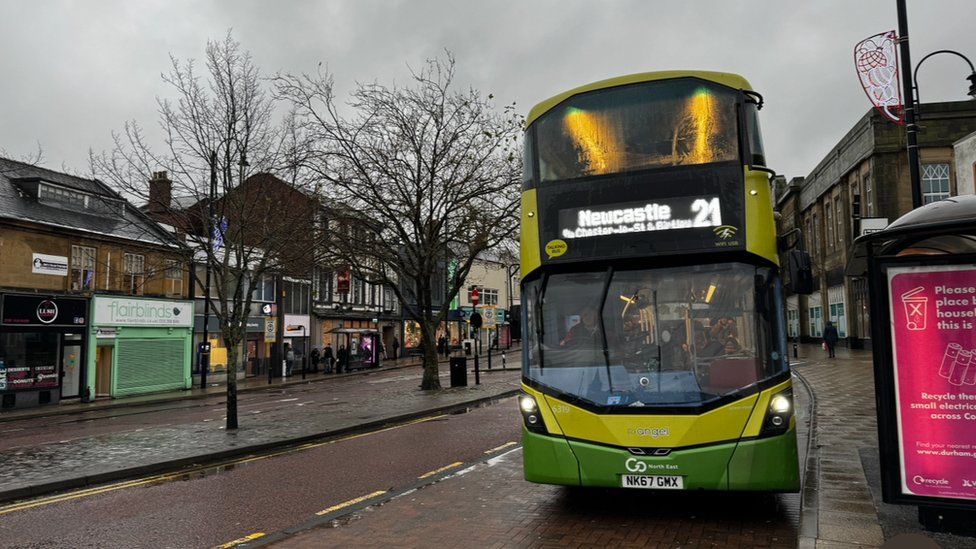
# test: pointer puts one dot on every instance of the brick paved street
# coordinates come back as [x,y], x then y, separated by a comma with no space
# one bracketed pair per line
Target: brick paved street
[492,506]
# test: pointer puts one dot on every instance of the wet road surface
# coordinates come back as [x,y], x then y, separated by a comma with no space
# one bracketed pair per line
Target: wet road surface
[263,495]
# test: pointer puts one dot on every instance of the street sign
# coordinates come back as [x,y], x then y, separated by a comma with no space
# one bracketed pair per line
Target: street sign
[475,296]
[476,320]
[490,314]
[271,329]
[267,309]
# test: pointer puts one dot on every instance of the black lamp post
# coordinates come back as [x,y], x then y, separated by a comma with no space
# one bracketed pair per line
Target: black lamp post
[910,88]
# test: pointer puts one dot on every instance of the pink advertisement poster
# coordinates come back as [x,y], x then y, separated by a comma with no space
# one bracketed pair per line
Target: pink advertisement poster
[933,330]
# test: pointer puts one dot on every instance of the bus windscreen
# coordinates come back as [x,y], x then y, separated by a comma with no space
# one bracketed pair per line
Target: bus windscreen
[679,336]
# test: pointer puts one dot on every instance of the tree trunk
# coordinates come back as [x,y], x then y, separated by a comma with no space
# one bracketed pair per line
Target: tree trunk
[232,385]
[432,379]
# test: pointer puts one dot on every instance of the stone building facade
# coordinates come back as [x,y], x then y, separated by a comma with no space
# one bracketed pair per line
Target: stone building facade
[861,185]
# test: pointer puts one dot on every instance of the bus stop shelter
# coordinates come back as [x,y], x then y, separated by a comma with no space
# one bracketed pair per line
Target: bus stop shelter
[921,273]
[362,346]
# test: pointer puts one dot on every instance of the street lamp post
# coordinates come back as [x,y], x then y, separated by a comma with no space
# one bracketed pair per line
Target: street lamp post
[911,93]
[203,357]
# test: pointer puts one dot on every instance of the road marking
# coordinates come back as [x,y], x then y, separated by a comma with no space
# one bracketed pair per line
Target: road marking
[441,470]
[158,479]
[353,501]
[288,399]
[239,541]
[502,447]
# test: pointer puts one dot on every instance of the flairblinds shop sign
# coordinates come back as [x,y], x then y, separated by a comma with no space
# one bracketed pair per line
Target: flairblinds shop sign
[120,311]
[657,215]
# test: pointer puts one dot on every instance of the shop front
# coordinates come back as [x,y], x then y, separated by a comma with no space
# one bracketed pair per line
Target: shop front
[42,349]
[257,349]
[141,346]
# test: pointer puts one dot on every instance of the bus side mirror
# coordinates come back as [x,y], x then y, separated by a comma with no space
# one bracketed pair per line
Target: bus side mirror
[800,272]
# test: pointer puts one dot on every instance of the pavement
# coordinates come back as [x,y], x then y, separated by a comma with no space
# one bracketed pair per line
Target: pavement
[218,388]
[842,505]
[372,401]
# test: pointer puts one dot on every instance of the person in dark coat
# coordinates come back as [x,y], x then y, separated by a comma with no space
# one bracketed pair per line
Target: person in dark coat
[315,357]
[830,337]
[328,357]
[343,356]
[396,348]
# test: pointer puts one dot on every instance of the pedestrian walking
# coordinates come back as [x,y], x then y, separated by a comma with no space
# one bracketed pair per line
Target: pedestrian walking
[316,356]
[396,348]
[289,359]
[830,338]
[441,344]
[328,357]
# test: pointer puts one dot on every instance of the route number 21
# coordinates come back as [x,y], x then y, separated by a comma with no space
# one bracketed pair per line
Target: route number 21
[708,213]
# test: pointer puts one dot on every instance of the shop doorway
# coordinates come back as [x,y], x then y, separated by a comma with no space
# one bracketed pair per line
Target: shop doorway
[71,362]
[103,372]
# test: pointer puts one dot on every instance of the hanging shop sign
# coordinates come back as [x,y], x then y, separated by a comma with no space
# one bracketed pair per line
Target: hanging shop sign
[34,310]
[121,311]
[55,265]
[343,280]
[933,333]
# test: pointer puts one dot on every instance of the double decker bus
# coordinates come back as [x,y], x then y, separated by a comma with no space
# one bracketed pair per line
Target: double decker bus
[654,348]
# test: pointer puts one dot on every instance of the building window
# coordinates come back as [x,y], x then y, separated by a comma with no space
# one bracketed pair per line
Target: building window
[296,298]
[868,197]
[838,209]
[264,289]
[357,291]
[487,296]
[134,273]
[82,268]
[174,278]
[793,323]
[829,220]
[935,182]
[839,318]
[816,321]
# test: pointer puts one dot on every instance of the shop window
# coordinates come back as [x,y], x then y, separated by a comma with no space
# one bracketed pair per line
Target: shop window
[82,268]
[134,273]
[816,321]
[839,318]
[174,278]
[935,182]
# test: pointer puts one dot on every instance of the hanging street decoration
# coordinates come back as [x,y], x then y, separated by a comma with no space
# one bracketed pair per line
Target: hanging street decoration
[876,61]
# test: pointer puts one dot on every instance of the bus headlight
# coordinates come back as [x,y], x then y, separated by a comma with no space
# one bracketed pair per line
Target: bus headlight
[778,415]
[530,414]
[780,404]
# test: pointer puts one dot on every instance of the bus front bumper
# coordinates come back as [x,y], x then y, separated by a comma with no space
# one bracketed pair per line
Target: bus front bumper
[765,464]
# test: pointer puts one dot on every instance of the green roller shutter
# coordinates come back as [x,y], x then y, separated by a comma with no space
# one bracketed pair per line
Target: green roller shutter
[149,366]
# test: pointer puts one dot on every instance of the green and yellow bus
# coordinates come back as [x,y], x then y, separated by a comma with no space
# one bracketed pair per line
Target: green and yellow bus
[654,349]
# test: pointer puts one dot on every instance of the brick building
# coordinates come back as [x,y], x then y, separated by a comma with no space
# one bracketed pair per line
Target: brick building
[75,259]
[866,170]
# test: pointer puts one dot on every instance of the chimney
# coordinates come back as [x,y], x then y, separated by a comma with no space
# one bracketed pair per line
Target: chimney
[160,193]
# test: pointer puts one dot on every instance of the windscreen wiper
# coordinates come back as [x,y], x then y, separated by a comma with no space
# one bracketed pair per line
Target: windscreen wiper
[603,327]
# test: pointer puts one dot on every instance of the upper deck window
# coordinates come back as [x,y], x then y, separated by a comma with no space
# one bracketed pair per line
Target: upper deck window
[668,123]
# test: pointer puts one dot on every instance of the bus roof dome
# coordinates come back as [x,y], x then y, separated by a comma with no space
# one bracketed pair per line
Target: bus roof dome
[724,78]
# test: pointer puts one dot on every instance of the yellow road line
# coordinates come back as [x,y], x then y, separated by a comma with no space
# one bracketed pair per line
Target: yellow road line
[353,501]
[88,492]
[502,447]
[441,470]
[239,541]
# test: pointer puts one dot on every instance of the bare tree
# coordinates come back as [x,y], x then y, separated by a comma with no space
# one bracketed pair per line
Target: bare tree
[220,128]
[415,176]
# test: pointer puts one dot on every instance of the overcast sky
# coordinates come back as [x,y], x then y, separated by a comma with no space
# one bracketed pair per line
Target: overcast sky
[71,72]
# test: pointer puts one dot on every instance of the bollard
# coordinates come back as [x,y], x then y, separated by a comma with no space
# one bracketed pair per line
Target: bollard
[795,352]
[489,357]
[268,363]
[477,373]
[504,360]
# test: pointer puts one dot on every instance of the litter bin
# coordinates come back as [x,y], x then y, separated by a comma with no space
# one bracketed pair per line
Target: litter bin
[459,371]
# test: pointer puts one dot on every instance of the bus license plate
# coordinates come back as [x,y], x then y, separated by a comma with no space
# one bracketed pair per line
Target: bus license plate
[653,482]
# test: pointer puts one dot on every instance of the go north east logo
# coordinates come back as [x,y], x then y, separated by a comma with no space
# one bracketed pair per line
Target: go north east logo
[725,232]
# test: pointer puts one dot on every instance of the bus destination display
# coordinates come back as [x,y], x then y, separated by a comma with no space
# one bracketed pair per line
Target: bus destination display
[640,217]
